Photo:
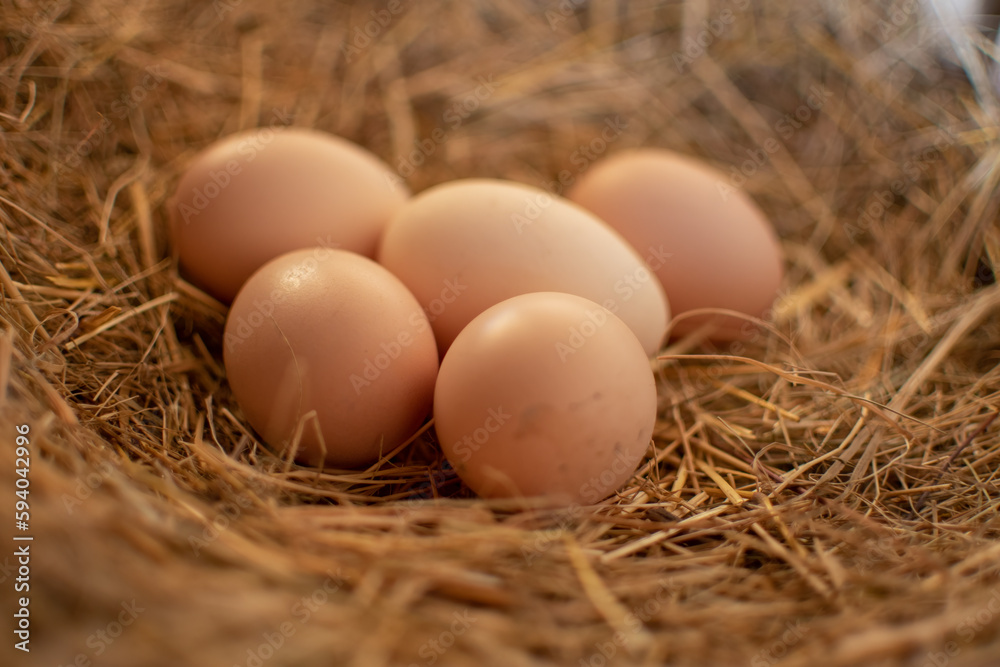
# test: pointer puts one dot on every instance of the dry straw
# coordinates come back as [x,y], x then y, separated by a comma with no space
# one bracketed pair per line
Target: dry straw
[823,494]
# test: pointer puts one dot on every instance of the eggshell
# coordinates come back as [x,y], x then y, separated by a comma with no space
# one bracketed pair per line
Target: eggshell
[255,195]
[331,340]
[466,245]
[545,394]
[708,243]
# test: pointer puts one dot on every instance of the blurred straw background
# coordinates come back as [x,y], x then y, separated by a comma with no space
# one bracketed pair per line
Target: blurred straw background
[824,493]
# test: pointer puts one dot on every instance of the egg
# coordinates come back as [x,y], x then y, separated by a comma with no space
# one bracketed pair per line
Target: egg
[255,195]
[466,245]
[708,243]
[328,347]
[545,395]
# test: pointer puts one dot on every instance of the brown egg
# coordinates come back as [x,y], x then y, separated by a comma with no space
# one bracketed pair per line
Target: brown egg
[709,244]
[466,245]
[330,342]
[255,195]
[545,394]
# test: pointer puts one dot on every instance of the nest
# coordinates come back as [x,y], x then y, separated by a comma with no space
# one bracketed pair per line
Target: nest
[824,492]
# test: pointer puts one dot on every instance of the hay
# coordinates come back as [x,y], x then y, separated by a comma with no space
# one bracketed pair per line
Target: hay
[825,493]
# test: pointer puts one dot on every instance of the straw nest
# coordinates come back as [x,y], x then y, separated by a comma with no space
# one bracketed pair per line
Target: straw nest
[825,492]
